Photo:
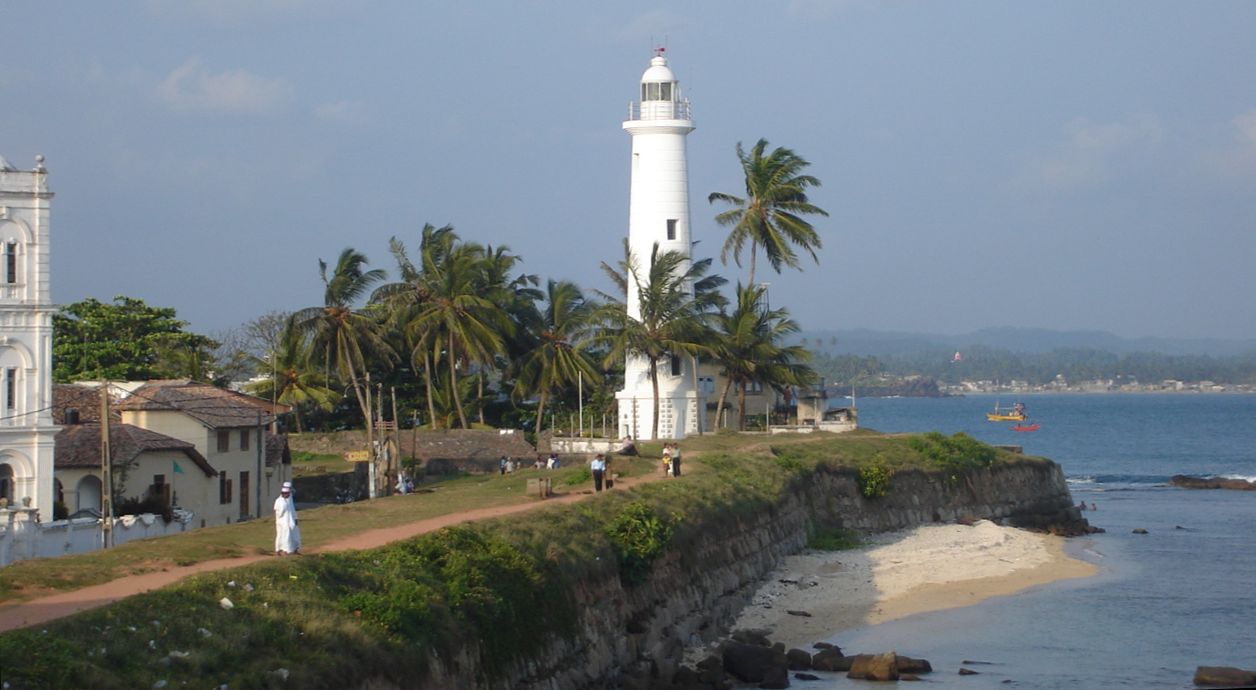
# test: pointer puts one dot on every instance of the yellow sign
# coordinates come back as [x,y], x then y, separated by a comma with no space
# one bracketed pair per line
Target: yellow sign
[358,455]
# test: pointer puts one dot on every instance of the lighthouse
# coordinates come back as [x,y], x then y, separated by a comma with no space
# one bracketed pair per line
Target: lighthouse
[658,213]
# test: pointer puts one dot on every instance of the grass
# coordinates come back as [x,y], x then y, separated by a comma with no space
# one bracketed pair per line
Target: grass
[498,589]
[28,579]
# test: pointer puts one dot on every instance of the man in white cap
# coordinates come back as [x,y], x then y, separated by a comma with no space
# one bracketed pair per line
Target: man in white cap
[287,534]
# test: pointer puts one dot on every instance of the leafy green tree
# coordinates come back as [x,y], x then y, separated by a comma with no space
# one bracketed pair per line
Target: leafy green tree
[124,340]
[771,214]
[750,349]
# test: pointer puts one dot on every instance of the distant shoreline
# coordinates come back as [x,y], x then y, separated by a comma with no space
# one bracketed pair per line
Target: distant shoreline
[1026,394]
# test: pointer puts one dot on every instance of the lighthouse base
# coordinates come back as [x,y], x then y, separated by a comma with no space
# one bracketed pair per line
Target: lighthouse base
[680,414]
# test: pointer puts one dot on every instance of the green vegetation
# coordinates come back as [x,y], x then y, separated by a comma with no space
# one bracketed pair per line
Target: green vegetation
[954,454]
[499,589]
[834,539]
[874,480]
[125,339]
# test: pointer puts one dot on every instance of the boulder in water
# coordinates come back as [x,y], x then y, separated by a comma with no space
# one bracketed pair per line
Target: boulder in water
[1224,676]
[874,667]
[799,660]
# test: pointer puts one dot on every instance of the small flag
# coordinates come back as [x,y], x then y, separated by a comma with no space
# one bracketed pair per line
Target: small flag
[177,469]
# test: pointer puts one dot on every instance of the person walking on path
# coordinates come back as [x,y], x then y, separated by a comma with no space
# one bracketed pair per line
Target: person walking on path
[675,460]
[287,533]
[598,465]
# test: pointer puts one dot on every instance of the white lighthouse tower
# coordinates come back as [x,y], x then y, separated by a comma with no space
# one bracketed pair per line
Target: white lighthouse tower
[658,212]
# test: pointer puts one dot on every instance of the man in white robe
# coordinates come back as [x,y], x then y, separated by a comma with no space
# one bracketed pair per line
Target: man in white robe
[287,533]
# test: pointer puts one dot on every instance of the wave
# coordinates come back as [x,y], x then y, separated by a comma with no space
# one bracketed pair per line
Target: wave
[1122,479]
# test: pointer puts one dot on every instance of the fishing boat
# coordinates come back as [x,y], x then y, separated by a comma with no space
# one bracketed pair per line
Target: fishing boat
[1027,427]
[1016,414]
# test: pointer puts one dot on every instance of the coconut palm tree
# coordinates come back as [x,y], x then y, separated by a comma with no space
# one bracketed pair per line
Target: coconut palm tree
[749,349]
[292,379]
[770,215]
[670,321]
[342,334]
[456,317]
[556,358]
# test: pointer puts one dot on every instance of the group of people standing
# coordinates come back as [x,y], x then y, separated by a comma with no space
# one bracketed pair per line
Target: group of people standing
[671,460]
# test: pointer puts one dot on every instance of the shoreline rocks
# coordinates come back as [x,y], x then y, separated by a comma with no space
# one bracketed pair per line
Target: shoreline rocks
[1188,482]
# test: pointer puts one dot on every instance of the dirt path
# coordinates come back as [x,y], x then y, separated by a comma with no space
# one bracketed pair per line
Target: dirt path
[52,607]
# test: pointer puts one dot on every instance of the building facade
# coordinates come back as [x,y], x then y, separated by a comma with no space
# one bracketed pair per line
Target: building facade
[658,214]
[26,426]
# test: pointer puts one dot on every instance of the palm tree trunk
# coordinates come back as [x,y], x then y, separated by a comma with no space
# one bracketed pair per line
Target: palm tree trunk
[296,417]
[654,379]
[701,411]
[453,387]
[481,394]
[719,409]
[752,258]
[427,384]
[741,404]
[540,412]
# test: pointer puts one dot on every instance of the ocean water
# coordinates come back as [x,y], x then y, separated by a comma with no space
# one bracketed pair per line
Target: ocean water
[1181,596]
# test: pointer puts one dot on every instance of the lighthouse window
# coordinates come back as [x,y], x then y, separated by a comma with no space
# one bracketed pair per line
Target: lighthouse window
[10,262]
[665,92]
[675,365]
[10,389]
[671,228]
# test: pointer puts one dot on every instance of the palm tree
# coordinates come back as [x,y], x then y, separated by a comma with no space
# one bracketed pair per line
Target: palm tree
[450,309]
[556,358]
[749,349]
[771,214]
[292,381]
[670,321]
[403,300]
[342,334]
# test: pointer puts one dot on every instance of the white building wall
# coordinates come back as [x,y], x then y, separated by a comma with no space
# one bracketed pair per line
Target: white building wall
[26,428]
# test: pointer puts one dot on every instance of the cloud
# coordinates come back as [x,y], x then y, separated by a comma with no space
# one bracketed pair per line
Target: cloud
[346,112]
[1094,151]
[193,88]
[1246,125]
[653,25]
[235,12]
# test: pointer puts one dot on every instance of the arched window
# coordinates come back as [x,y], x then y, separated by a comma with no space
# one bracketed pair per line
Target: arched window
[6,482]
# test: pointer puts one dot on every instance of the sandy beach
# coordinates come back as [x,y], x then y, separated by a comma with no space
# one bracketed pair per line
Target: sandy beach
[898,574]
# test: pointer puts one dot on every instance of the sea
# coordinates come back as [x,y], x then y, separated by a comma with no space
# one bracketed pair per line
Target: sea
[1181,596]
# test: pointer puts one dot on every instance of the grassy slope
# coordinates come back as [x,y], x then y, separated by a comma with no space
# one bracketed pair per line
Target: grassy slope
[335,619]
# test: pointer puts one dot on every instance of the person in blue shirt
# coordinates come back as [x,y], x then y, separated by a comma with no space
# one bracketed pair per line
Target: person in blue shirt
[598,465]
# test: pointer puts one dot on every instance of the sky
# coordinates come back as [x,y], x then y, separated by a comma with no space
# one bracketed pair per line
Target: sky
[1071,165]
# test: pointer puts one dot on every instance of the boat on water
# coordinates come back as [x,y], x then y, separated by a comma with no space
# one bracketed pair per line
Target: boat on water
[1027,427]
[1016,414]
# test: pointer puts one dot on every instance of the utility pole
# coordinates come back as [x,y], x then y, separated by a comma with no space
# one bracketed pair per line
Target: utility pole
[370,438]
[106,470]
[394,463]
[261,443]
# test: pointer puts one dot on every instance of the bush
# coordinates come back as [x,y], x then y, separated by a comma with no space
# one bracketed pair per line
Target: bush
[584,476]
[874,480]
[834,539]
[639,535]
[954,455]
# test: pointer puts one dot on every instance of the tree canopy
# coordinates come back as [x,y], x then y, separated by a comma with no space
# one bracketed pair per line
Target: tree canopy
[126,340]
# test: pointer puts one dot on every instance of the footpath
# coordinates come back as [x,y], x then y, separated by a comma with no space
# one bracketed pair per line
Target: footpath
[60,605]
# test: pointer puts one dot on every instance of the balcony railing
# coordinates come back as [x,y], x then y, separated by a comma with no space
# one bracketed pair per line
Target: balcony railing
[659,110]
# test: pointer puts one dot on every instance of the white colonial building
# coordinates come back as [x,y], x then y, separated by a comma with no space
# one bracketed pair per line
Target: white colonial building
[658,213]
[26,426]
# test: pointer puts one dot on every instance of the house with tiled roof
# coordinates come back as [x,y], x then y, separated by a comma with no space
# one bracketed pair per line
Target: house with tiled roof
[228,429]
[146,466]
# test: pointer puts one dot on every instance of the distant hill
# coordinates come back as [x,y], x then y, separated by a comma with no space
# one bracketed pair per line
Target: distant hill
[1028,340]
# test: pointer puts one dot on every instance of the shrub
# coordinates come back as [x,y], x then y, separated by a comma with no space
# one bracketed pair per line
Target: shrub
[874,480]
[584,476]
[955,454]
[834,539]
[639,535]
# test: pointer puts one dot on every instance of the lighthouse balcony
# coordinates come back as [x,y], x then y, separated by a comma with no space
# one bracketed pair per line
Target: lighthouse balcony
[659,110]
